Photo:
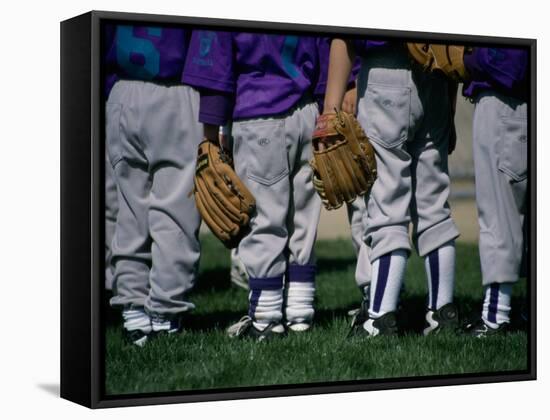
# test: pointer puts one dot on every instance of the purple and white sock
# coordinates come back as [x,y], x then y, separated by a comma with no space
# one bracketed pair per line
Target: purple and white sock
[440,271]
[388,273]
[265,300]
[299,293]
[497,304]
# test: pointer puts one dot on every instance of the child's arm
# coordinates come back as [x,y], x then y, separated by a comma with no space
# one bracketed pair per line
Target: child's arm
[342,55]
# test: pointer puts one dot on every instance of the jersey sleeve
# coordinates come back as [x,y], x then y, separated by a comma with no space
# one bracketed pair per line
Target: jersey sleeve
[503,68]
[323,49]
[215,108]
[210,61]
[365,46]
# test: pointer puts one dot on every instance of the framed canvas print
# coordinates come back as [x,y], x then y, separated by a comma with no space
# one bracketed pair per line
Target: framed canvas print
[255,209]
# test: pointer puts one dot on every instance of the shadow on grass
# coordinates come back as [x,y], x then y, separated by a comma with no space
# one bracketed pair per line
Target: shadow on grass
[212,280]
[335,264]
[325,317]
[211,320]
[412,310]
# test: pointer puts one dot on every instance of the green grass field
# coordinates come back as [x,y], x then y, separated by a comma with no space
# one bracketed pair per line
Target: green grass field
[203,357]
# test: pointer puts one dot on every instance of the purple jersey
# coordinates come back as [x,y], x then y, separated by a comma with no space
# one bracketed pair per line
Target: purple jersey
[364,46]
[144,53]
[501,69]
[265,74]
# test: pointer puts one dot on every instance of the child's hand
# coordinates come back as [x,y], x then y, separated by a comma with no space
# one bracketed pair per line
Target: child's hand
[349,104]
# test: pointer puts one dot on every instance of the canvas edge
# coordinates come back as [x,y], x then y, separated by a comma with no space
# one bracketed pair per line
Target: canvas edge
[94,389]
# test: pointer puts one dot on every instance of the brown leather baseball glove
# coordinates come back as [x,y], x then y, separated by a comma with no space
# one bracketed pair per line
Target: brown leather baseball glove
[343,163]
[438,57]
[223,201]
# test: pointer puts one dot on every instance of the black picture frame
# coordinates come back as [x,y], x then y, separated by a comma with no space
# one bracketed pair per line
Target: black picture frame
[82,217]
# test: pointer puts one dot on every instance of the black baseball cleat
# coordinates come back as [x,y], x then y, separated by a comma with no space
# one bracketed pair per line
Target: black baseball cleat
[359,317]
[137,325]
[480,329]
[365,302]
[443,320]
[372,327]
[135,337]
[165,324]
[245,328]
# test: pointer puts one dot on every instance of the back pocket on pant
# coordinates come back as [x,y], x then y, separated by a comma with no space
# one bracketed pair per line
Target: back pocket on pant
[387,110]
[263,142]
[512,148]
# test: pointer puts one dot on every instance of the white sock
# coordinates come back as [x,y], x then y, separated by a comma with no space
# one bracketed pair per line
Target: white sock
[440,272]
[388,273]
[299,293]
[265,304]
[299,301]
[136,319]
[497,304]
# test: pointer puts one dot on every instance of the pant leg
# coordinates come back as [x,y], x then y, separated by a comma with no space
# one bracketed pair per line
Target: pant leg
[131,245]
[261,156]
[173,135]
[261,162]
[305,206]
[111,210]
[388,214]
[430,211]
[357,217]
[388,111]
[303,218]
[500,161]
